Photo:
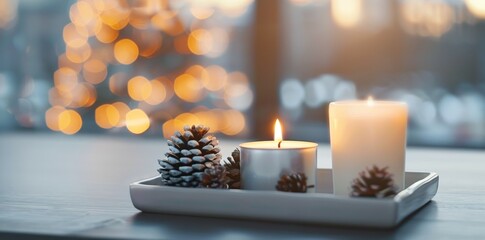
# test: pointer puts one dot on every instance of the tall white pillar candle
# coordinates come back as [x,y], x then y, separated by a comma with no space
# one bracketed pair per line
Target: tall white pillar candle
[364,134]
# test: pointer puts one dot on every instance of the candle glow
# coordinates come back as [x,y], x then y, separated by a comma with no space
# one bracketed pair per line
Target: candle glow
[363,134]
[263,162]
[370,101]
[278,135]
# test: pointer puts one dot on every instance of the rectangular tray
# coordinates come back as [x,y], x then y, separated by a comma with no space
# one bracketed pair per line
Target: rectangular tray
[321,207]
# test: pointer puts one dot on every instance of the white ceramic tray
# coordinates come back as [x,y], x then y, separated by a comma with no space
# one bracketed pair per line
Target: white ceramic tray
[315,208]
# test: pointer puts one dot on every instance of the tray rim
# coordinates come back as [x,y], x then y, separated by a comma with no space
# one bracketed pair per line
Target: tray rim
[398,213]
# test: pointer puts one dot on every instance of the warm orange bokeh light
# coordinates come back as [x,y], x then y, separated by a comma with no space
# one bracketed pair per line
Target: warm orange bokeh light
[220,41]
[149,42]
[347,13]
[201,12]
[158,93]
[188,88]
[234,122]
[81,13]
[94,71]
[237,85]
[59,98]
[427,18]
[107,116]
[52,117]
[217,78]
[123,109]
[83,95]
[126,51]
[74,37]
[65,79]
[107,34]
[200,41]
[93,42]
[234,8]
[476,7]
[115,16]
[137,121]
[139,88]
[78,54]
[8,13]
[180,44]
[63,61]
[117,83]
[70,122]
[168,22]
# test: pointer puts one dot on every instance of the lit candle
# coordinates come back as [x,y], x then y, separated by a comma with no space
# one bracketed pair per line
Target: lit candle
[263,162]
[364,134]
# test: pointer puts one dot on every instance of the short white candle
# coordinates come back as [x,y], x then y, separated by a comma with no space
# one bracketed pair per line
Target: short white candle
[364,134]
[263,162]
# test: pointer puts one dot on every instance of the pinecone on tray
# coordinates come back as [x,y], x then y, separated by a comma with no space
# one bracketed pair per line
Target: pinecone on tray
[233,171]
[294,182]
[214,178]
[374,182]
[192,156]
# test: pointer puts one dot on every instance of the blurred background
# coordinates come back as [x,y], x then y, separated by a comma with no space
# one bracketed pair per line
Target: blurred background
[149,67]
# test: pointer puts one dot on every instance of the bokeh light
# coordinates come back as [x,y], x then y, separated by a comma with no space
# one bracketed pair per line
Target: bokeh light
[8,13]
[65,79]
[107,116]
[234,122]
[237,93]
[126,51]
[83,95]
[123,109]
[476,7]
[78,54]
[52,117]
[347,13]
[149,42]
[94,71]
[118,82]
[169,22]
[188,88]
[137,121]
[139,88]
[427,18]
[216,78]
[70,122]
[108,40]
[200,41]
[107,34]
[158,93]
[74,37]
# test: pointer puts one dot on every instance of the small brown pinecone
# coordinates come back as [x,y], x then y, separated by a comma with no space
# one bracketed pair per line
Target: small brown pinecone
[214,178]
[233,170]
[295,182]
[374,182]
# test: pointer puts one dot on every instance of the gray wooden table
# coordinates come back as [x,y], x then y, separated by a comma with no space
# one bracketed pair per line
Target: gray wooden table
[55,186]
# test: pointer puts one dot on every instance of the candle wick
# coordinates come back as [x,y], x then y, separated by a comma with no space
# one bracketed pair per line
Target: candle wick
[279,144]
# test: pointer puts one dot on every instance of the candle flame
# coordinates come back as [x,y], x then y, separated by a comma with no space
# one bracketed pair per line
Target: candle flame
[278,135]
[370,101]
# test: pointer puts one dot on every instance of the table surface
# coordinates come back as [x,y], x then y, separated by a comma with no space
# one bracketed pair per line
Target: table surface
[56,186]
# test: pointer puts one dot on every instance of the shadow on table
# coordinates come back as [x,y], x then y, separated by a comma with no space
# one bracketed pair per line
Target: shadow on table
[149,226]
